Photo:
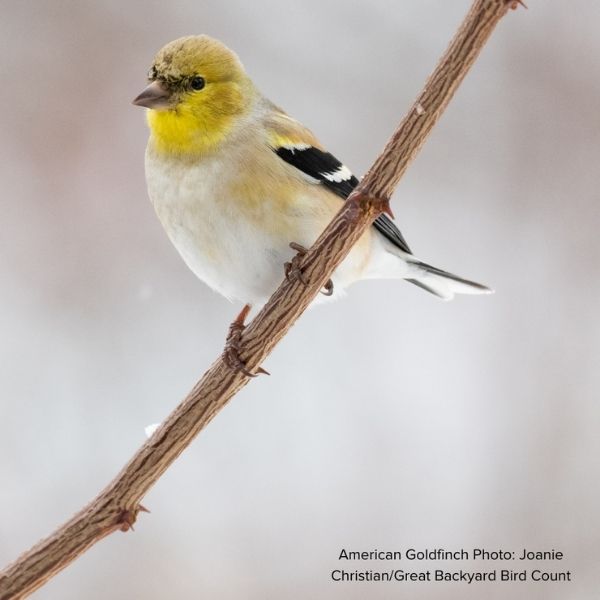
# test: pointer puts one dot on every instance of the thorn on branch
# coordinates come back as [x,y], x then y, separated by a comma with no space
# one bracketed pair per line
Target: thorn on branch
[128,517]
[386,208]
[361,202]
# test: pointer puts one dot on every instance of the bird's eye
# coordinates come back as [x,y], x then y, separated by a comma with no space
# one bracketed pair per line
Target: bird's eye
[197,83]
[152,73]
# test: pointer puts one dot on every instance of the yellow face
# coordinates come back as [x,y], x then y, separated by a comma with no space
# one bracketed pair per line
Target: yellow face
[197,87]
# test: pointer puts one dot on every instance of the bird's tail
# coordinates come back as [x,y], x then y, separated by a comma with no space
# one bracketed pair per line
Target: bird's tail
[441,283]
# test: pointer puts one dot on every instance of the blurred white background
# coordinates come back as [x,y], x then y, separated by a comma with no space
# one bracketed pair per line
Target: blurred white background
[391,420]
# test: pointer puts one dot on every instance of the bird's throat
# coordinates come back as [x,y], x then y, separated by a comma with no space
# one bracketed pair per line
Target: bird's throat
[181,133]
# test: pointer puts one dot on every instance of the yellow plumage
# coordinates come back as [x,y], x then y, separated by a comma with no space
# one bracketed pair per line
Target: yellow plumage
[234,180]
[189,131]
[199,123]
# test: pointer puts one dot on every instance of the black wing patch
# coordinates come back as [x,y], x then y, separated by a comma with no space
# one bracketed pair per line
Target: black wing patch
[328,170]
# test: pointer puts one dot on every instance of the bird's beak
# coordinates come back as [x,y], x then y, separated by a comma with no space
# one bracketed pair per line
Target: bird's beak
[156,96]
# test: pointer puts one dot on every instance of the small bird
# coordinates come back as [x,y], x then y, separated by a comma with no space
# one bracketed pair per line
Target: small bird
[239,185]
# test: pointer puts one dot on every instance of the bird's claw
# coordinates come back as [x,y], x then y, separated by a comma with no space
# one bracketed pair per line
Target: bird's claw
[328,288]
[231,354]
[293,270]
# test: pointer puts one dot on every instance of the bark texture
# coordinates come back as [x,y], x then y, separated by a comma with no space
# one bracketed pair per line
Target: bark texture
[117,506]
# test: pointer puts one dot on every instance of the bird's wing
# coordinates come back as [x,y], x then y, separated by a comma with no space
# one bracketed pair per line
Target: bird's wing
[297,146]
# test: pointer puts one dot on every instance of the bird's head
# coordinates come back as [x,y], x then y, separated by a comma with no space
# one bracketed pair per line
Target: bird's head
[197,88]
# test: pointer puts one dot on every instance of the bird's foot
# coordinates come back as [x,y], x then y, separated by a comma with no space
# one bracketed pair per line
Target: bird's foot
[231,354]
[293,270]
[327,288]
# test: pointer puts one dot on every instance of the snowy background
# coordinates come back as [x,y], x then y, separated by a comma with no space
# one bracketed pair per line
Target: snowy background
[391,420]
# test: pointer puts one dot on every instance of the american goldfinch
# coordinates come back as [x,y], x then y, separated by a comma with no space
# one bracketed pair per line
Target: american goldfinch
[234,180]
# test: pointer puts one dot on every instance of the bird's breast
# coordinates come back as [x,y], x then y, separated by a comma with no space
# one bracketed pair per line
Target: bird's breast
[230,234]
[233,222]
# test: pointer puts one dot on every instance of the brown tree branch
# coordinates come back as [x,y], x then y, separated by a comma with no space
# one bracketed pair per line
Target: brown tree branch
[117,506]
